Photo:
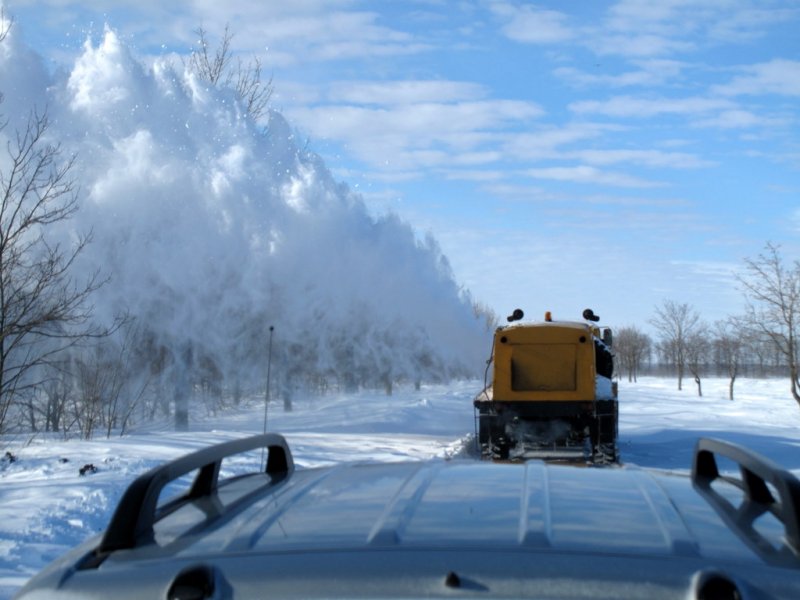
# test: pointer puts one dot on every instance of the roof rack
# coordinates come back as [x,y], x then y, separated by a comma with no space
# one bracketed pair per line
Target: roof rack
[756,473]
[138,510]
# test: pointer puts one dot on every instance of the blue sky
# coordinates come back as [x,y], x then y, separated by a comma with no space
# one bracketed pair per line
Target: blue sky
[565,155]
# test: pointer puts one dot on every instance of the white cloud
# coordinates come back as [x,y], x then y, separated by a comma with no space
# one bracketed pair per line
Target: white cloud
[545,143]
[663,18]
[723,272]
[649,72]
[639,45]
[421,122]
[283,33]
[516,191]
[637,202]
[749,24]
[484,175]
[533,25]
[734,119]
[779,76]
[591,175]
[293,93]
[639,28]
[404,92]
[648,158]
[646,28]
[311,32]
[418,135]
[630,106]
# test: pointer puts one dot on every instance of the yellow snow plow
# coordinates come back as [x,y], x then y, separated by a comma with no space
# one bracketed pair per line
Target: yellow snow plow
[551,394]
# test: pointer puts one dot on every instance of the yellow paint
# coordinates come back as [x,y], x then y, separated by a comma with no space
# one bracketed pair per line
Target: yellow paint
[544,362]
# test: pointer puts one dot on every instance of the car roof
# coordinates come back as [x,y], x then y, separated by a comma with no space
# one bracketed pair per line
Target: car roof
[421,527]
[461,503]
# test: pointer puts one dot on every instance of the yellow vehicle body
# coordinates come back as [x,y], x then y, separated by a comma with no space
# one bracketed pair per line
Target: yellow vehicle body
[545,362]
[551,393]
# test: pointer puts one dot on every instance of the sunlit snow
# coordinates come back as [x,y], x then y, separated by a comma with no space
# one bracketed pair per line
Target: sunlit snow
[46,506]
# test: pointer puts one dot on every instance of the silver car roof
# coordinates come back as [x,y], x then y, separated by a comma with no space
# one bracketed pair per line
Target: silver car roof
[434,528]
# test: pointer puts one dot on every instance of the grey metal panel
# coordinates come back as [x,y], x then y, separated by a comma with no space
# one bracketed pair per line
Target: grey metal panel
[398,530]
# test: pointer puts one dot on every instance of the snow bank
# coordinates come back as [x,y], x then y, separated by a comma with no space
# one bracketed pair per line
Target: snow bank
[46,506]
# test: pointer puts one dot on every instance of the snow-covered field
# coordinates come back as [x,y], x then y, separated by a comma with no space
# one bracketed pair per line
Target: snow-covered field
[46,506]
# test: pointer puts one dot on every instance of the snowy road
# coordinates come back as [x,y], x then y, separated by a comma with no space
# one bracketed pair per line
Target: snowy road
[46,506]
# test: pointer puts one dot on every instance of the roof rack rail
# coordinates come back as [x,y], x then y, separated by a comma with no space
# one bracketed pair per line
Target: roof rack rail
[756,473]
[137,511]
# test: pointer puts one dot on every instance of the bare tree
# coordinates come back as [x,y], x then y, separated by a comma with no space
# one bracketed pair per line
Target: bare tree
[43,309]
[697,353]
[772,290]
[57,393]
[631,348]
[676,322]
[729,346]
[245,79]
[46,406]
[208,67]
[484,314]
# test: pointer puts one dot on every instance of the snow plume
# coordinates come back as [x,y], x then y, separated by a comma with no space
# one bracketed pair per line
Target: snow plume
[211,228]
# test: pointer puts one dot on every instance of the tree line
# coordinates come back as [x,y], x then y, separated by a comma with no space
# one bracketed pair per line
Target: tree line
[763,341]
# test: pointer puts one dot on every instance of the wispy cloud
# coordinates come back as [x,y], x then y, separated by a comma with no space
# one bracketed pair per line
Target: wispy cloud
[735,119]
[778,76]
[548,142]
[747,24]
[639,45]
[392,93]
[638,201]
[648,158]
[285,34]
[479,176]
[591,175]
[531,24]
[539,194]
[634,107]
[417,135]
[724,272]
[649,72]
[323,34]
[637,28]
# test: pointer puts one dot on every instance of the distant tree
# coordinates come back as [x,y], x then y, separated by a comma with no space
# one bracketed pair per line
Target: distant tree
[729,347]
[217,68]
[184,367]
[676,322]
[43,309]
[485,315]
[772,290]
[697,353]
[769,361]
[56,396]
[631,348]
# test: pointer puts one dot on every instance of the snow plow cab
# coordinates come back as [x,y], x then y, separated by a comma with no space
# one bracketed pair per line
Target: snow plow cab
[551,395]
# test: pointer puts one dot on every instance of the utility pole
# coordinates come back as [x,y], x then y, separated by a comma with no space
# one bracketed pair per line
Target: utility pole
[266,394]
